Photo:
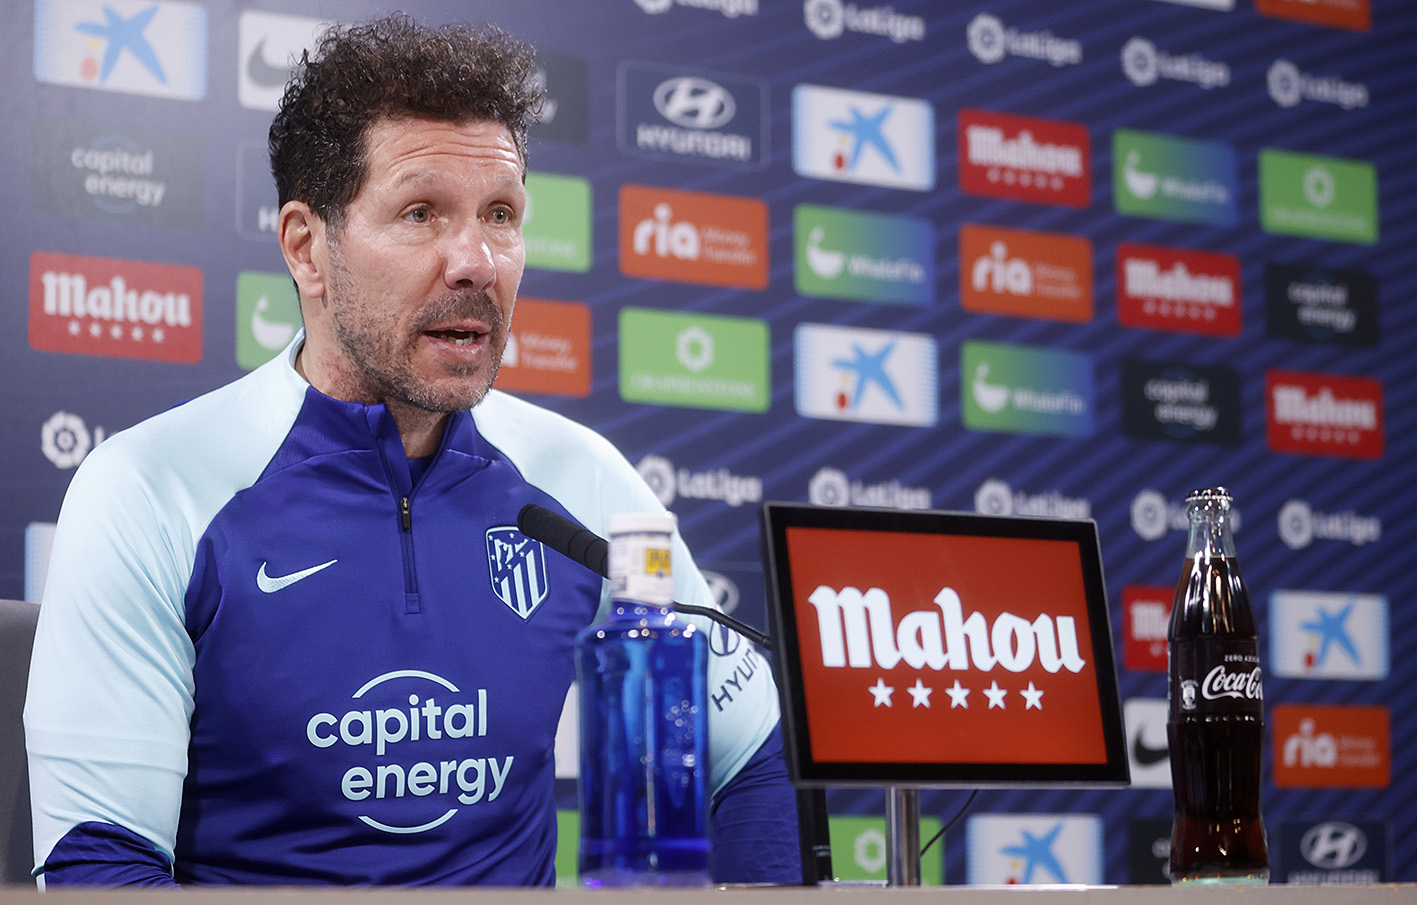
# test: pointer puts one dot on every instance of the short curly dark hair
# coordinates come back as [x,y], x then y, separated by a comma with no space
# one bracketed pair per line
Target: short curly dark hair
[385,69]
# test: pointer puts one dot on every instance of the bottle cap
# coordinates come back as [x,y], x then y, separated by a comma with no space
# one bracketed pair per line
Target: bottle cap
[640,523]
[1210,495]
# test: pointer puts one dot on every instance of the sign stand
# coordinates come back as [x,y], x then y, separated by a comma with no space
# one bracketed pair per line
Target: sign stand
[902,836]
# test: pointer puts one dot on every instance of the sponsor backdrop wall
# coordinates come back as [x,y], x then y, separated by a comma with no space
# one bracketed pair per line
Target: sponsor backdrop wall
[1014,256]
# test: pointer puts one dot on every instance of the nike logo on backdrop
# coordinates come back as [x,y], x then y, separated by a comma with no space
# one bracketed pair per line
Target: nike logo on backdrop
[1145,754]
[270,585]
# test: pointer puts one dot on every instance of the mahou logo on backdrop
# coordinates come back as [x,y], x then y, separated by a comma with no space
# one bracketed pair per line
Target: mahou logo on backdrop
[1324,415]
[1146,612]
[1164,288]
[955,661]
[1025,158]
[115,308]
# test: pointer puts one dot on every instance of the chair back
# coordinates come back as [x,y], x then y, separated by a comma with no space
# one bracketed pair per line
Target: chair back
[17,621]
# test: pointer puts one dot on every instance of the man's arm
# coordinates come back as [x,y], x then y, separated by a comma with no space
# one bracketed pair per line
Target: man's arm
[753,823]
[110,688]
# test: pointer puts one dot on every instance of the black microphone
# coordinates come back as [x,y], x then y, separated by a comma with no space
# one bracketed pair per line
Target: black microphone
[565,537]
[592,551]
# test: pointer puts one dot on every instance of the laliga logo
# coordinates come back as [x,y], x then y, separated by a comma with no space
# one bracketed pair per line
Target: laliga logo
[859,630]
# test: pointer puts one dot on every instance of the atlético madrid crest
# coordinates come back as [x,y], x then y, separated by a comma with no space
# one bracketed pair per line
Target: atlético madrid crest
[517,566]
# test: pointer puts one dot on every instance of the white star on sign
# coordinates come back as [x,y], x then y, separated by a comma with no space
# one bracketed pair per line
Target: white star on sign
[959,697]
[1033,697]
[995,694]
[920,693]
[882,691]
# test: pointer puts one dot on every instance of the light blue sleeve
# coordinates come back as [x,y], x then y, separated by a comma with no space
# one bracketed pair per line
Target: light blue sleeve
[592,479]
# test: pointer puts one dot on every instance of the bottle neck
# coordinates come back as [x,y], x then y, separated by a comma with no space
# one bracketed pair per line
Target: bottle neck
[1211,535]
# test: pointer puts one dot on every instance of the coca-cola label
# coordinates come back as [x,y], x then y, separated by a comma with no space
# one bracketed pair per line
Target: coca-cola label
[1215,676]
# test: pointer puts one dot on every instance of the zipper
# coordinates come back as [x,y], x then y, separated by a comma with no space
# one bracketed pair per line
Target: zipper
[410,577]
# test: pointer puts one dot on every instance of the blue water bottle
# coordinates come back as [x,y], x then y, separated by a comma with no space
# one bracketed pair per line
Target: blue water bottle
[643,722]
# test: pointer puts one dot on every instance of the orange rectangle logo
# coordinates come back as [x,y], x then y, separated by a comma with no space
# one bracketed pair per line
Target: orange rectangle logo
[1355,15]
[1022,273]
[1331,747]
[548,349]
[693,237]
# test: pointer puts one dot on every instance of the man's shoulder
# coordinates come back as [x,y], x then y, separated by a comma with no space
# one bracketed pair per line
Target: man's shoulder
[520,429]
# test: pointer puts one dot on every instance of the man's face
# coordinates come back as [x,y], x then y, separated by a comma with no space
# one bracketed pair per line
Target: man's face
[423,272]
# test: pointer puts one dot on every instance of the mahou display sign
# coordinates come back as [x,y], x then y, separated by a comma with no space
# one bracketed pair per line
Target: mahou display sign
[945,649]
[1324,414]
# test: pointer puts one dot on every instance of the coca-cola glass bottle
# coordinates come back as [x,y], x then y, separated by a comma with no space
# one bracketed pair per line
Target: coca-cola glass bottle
[1216,722]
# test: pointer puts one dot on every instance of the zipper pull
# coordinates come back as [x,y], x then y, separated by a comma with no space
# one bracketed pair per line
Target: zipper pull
[405,513]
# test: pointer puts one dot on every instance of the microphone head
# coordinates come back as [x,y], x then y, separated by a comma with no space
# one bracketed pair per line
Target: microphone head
[565,536]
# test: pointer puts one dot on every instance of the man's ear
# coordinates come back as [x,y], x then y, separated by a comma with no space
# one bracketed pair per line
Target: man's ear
[302,236]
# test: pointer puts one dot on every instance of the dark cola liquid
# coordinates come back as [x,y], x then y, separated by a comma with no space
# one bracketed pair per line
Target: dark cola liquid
[1216,729]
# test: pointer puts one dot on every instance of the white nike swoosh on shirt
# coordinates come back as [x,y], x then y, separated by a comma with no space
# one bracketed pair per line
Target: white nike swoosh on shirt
[270,585]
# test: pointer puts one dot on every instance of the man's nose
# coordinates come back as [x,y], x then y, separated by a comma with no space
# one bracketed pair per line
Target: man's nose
[469,260]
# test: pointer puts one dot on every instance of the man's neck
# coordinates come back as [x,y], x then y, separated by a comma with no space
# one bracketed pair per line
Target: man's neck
[420,430]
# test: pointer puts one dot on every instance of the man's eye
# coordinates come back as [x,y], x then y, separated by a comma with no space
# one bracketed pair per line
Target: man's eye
[419,215]
[501,216]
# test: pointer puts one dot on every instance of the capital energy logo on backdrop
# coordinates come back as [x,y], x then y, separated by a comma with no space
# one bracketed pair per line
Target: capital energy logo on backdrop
[1024,158]
[1149,846]
[1289,85]
[1328,635]
[268,48]
[1024,273]
[1148,752]
[1181,402]
[848,254]
[556,222]
[1008,849]
[829,19]
[1329,305]
[858,374]
[117,173]
[156,48]
[693,237]
[1026,390]
[257,204]
[1337,746]
[115,308]
[694,360]
[1146,613]
[1354,15]
[1171,178]
[548,350]
[990,40]
[1143,63]
[1324,414]
[705,118]
[870,139]
[1318,197]
[1331,852]
[267,316]
[565,114]
[1178,289]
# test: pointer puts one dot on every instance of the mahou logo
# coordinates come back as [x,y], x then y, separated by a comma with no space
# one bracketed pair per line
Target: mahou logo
[1163,288]
[1146,611]
[1025,158]
[965,656]
[1324,415]
[115,308]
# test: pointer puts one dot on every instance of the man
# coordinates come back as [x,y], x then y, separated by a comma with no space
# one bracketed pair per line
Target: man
[276,646]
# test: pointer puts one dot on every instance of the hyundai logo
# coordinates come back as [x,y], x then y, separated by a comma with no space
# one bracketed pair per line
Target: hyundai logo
[694,103]
[1334,845]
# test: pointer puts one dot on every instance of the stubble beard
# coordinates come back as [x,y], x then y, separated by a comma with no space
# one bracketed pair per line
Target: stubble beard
[384,359]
